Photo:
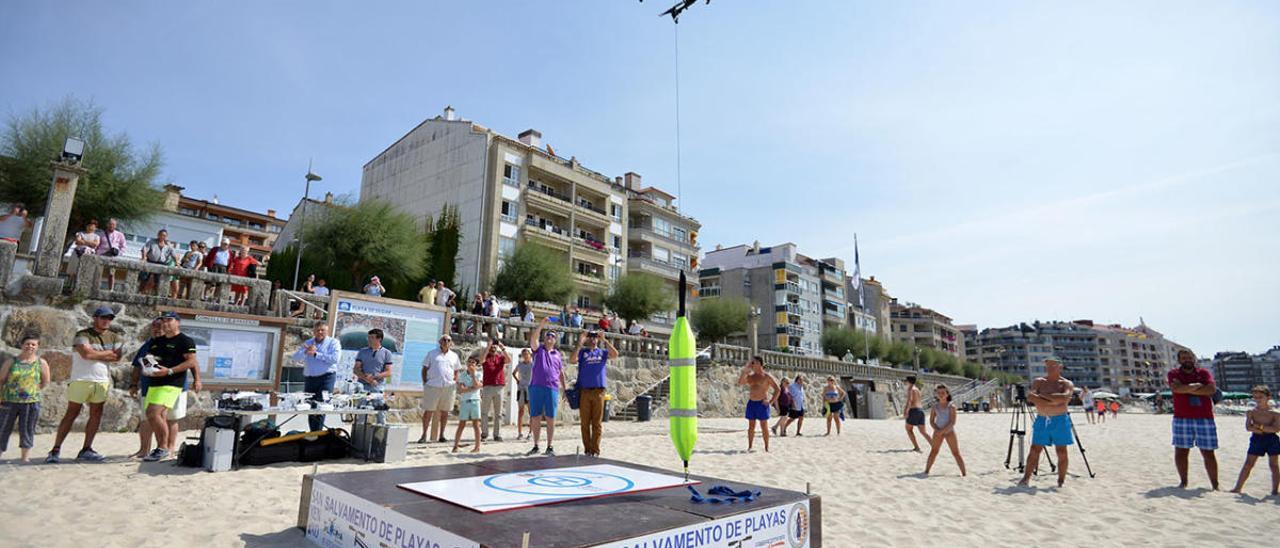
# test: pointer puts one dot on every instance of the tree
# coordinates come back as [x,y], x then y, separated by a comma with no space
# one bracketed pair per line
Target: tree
[280,269]
[900,354]
[838,341]
[445,236]
[121,180]
[715,319]
[973,370]
[533,273]
[366,239]
[638,295]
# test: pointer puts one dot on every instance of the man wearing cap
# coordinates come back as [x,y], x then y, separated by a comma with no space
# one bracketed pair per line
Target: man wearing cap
[1050,394]
[439,382]
[176,354]
[547,376]
[373,367]
[94,347]
[320,355]
[592,361]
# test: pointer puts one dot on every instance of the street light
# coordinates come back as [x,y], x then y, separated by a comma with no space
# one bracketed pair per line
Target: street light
[306,196]
[754,316]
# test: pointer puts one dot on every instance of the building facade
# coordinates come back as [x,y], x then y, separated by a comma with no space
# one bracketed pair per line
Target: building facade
[785,285]
[1241,371]
[661,241]
[249,229]
[508,192]
[876,303]
[925,328]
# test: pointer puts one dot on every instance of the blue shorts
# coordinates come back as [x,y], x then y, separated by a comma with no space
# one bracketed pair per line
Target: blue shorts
[1048,431]
[469,410]
[757,410]
[1264,444]
[1188,433]
[543,401]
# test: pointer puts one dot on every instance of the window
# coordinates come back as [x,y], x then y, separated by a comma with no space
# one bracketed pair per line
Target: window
[214,217]
[680,260]
[614,272]
[506,246]
[615,211]
[584,301]
[273,228]
[679,234]
[617,242]
[255,226]
[709,288]
[511,175]
[661,226]
[661,255]
[509,211]
[187,211]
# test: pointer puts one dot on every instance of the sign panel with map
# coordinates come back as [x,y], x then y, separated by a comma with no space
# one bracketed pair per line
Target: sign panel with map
[410,330]
[234,350]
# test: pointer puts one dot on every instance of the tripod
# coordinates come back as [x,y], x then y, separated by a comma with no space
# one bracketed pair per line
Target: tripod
[1018,429]
[1080,445]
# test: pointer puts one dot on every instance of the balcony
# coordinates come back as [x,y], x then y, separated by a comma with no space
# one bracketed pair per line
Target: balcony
[648,234]
[550,237]
[592,248]
[665,269]
[792,287]
[591,280]
[548,199]
[586,211]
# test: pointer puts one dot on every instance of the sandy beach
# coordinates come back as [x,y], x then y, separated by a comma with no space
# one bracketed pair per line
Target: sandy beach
[872,488]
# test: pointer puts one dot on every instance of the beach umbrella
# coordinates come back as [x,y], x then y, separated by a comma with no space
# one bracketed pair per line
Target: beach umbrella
[1236,396]
[682,402]
[1104,395]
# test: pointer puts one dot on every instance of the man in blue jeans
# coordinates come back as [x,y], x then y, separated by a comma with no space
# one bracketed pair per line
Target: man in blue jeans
[320,353]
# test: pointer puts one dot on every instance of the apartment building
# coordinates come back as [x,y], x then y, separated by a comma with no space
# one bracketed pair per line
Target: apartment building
[661,241]
[924,327]
[245,228]
[1094,355]
[508,192]
[875,306]
[786,286]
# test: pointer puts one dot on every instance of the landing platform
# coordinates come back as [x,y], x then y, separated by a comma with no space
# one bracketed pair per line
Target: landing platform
[379,508]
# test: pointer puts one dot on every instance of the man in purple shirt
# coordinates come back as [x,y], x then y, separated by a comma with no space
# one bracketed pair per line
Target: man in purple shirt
[544,387]
[111,244]
[592,360]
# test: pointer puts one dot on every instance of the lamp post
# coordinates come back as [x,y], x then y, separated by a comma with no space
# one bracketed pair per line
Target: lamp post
[754,316]
[917,353]
[57,210]
[306,196]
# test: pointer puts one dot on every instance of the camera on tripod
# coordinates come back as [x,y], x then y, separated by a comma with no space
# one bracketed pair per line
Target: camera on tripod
[1021,393]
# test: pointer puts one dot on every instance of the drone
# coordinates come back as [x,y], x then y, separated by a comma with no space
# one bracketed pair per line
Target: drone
[678,9]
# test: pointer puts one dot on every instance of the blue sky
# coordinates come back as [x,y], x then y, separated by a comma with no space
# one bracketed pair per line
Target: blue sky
[1000,161]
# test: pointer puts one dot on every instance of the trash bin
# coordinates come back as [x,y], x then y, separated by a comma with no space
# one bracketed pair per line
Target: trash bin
[644,405]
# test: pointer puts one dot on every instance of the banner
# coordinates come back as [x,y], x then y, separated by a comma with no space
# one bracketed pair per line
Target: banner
[337,519]
[781,526]
[410,330]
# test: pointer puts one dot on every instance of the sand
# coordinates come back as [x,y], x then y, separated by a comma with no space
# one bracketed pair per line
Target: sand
[872,488]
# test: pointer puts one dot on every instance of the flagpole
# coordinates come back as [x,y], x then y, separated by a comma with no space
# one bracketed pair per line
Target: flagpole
[862,303]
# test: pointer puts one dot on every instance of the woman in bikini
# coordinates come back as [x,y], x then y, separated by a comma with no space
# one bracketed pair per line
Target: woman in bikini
[943,419]
[833,397]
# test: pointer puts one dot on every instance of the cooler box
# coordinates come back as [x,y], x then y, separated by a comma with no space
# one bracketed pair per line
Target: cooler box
[379,442]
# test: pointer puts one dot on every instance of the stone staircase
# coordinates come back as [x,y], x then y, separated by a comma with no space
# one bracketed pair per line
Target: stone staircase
[659,391]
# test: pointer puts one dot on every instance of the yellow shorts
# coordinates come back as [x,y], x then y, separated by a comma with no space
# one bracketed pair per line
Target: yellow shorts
[87,392]
[163,395]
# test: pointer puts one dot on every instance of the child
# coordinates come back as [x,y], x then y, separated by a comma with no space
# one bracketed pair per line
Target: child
[21,381]
[523,375]
[833,400]
[1263,422]
[942,417]
[1115,409]
[1102,411]
[468,403]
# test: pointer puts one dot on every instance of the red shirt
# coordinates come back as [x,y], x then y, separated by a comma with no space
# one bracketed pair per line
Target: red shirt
[1190,406]
[603,324]
[495,370]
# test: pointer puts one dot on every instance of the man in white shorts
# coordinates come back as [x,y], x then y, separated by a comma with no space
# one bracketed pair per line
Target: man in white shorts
[439,382]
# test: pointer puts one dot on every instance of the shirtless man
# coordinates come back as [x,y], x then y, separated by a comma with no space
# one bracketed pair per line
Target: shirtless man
[759,384]
[915,414]
[1050,394]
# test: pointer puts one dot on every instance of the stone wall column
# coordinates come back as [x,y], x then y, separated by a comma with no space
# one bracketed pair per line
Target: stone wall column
[57,216]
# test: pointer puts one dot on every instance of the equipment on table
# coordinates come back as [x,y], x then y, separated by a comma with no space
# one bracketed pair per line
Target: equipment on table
[243,401]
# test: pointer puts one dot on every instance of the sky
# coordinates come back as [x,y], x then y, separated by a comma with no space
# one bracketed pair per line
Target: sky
[999,162]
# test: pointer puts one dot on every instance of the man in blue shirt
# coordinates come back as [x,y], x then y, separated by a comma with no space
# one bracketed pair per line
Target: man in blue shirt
[320,353]
[592,361]
[373,367]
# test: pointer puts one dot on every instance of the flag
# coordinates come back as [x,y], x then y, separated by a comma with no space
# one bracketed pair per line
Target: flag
[857,274]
